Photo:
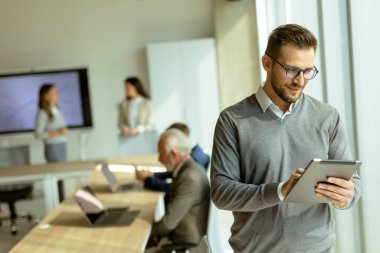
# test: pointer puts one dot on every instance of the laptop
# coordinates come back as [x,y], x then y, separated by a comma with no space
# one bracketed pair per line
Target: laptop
[112,181]
[98,215]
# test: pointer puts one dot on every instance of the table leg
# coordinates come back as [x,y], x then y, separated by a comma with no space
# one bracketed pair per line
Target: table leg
[160,208]
[50,192]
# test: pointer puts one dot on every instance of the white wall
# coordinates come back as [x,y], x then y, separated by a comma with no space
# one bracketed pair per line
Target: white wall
[365,20]
[190,93]
[109,37]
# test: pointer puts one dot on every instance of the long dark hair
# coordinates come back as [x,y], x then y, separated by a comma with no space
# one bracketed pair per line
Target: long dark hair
[138,85]
[43,103]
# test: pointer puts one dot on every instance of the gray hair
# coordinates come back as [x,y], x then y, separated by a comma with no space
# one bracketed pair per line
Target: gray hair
[175,139]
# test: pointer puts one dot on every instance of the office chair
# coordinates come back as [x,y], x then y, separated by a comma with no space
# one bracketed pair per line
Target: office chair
[213,238]
[176,248]
[204,246]
[10,194]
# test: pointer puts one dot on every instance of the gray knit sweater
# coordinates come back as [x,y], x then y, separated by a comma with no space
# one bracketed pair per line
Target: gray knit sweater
[44,126]
[253,152]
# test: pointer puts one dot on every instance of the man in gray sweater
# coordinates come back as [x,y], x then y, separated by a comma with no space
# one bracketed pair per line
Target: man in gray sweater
[261,145]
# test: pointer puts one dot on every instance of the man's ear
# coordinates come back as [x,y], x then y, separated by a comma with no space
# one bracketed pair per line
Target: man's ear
[174,153]
[266,61]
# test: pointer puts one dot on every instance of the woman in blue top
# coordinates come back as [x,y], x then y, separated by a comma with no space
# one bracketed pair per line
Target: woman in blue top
[51,128]
[50,125]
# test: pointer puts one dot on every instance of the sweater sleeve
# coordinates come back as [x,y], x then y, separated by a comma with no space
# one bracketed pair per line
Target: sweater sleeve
[228,192]
[163,175]
[41,122]
[158,183]
[200,156]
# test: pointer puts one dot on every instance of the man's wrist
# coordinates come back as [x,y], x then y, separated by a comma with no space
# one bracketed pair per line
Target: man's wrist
[345,207]
[279,191]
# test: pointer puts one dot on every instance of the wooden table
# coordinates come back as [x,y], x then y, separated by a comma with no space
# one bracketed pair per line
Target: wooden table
[66,229]
[143,160]
[50,173]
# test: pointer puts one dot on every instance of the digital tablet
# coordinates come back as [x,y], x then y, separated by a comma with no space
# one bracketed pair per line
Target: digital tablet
[318,171]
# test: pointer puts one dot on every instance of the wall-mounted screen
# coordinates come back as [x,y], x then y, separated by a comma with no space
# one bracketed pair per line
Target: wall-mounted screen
[19,99]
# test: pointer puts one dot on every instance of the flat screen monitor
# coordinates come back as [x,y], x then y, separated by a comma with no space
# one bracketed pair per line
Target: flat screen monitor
[19,99]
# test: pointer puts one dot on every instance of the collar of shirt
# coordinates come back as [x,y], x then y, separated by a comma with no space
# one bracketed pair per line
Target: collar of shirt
[54,110]
[137,100]
[179,167]
[266,103]
[134,111]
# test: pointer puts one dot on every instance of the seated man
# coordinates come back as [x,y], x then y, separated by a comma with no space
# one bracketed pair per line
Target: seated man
[185,220]
[157,181]
[196,152]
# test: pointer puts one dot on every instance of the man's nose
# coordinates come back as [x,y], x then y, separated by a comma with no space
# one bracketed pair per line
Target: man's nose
[299,79]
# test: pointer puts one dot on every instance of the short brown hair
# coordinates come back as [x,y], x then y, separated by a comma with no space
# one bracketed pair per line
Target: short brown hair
[290,34]
[181,127]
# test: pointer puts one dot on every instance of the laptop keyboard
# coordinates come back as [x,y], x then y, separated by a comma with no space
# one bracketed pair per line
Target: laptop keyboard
[118,218]
[113,218]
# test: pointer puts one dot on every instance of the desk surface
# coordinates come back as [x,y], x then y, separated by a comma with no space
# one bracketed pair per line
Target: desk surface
[69,230]
[50,173]
[65,167]
[43,169]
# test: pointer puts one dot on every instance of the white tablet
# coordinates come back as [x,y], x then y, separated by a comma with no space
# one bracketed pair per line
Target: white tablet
[318,171]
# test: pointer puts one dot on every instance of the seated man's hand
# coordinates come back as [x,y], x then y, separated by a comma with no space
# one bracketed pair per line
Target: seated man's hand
[336,190]
[141,175]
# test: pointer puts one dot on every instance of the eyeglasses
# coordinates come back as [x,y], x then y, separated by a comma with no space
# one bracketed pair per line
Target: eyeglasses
[292,72]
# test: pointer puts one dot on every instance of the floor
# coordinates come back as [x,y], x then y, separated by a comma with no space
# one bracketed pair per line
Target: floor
[7,241]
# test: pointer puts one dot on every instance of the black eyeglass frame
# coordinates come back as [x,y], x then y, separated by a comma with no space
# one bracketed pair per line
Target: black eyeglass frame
[316,71]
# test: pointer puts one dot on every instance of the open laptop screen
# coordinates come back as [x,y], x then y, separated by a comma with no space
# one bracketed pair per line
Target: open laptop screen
[88,202]
[110,177]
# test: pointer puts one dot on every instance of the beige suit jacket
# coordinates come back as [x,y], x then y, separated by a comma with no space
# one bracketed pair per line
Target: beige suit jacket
[185,220]
[144,115]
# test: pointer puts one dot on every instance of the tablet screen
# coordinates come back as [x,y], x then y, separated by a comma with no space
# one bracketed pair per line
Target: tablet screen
[318,171]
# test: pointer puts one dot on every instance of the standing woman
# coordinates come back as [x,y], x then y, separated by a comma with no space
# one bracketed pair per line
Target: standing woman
[135,115]
[51,128]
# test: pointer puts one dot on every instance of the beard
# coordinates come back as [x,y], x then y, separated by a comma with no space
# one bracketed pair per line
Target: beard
[170,165]
[282,92]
